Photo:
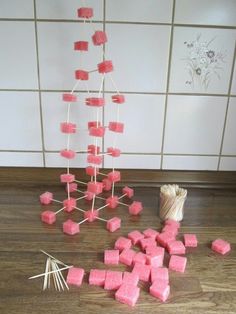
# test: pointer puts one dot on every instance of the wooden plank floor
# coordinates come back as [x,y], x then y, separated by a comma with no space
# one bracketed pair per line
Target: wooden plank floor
[207,286]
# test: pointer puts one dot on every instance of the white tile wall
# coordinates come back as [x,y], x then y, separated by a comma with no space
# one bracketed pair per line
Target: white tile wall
[173,60]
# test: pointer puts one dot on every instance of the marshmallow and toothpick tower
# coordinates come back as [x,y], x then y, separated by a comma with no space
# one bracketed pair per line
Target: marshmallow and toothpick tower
[96,131]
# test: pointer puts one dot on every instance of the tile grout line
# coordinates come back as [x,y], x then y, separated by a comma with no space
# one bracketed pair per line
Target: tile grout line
[227,107]
[167,85]
[39,84]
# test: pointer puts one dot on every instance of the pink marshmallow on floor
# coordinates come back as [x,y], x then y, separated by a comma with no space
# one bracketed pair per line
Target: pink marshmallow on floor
[135,236]
[175,247]
[97,277]
[75,276]
[155,256]
[128,191]
[69,204]
[177,263]
[143,271]
[220,246]
[130,278]
[46,198]
[70,227]
[113,280]
[48,217]
[113,224]
[140,258]
[172,223]
[145,242]
[91,215]
[128,294]
[135,208]
[150,233]
[160,290]
[170,229]
[111,257]
[122,243]
[126,256]
[164,238]
[112,201]
[190,240]
[161,274]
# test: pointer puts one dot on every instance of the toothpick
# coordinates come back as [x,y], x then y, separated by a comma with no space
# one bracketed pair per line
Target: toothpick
[55,259]
[50,272]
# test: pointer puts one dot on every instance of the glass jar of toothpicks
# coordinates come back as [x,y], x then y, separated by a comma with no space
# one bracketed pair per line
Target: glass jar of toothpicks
[172,199]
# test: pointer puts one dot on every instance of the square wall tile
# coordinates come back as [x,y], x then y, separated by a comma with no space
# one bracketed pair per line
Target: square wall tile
[133,161]
[18,62]
[141,61]
[143,117]
[21,159]
[60,9]
[228,163]
[190,162]
[20,121]
[201,60]
[151,11]
[233,86]
[58,60]
[210,12]
[16,9]
[194,124]
[229,144]
[54,160]
[55,112]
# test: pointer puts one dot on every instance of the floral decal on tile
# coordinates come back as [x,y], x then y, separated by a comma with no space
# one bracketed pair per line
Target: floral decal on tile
[203,62]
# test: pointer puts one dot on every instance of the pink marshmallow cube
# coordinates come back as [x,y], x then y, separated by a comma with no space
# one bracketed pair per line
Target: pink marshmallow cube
[135,208]
[150,233]
[128,191]
[93,149]
[190,240]
[88,195]
[160,274]
[175,247]
[68,128]
[94,159]
[107,184]
[91,171]
[122,243]
[177,263]
[68,153]
[114,152]
[128,294]
[67,178]
[126,256]
[75,276]
[143,271]
[70,227]
[99,38]
[95,187]
[97,277]
[170,229]
[46,198]
[160,290]
[140,258]
[135,236]
[81,45]
[111,257]
[81,75]
[164,238]
[113,280]
[68,97]
[95,124]
[91,215]
[48,217]
[116,127]
[95,101]
[69,204]
[172,223]
[145,242]
[105,67]
[112,201]
[220,246]
[97,131]
[155,256]
[114,176]
[72,187]
[130,278]
[113,224]
[85,12]
[119,99]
